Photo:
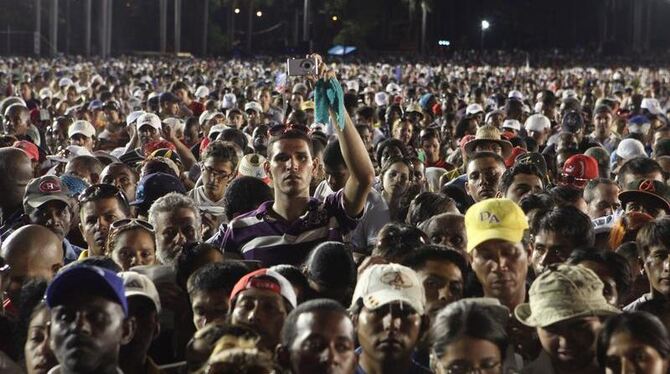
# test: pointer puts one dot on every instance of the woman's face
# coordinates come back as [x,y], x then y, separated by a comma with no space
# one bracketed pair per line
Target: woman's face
[625,354]
[396,178]
[134,247]
[39,357]
[469,355]
[403,131]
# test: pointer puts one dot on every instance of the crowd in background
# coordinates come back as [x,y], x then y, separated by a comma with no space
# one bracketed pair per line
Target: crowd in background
[221,216]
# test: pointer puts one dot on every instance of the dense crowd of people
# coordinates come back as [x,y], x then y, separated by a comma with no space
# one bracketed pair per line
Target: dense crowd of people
[220,216]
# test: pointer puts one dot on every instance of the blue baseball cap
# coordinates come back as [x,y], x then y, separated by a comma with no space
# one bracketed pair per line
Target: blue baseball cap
[89,279]
[154,186]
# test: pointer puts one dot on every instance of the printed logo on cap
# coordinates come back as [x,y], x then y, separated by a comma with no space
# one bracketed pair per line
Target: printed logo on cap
[396,280]
[647,186]
[49,186]
[488,217]
[576,168]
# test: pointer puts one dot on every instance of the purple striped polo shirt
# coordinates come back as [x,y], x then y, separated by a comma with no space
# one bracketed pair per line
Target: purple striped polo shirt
[259,236]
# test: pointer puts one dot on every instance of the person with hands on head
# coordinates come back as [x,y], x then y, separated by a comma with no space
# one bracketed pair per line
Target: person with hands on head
[291,167]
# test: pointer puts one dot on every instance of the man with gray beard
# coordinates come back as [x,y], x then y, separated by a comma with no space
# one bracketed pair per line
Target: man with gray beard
[176,219]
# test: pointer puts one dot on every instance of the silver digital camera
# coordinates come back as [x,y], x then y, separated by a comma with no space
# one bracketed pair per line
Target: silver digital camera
[301,66]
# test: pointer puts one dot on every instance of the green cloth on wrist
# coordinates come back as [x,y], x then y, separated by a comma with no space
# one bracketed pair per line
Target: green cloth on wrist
[328,95]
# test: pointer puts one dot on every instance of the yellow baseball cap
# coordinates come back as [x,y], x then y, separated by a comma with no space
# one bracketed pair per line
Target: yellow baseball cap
[494,219]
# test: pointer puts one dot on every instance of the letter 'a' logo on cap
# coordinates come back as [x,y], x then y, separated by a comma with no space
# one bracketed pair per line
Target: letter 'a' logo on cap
[488,217]
[49,186]
[396,280]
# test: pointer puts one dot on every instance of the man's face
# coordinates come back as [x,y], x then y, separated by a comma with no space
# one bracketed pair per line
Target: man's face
[87,331]
[83,171]
[602,122]
[23,269]
[403,131]
[571,344]
[82,141]
[523,184]
[607,277]
[182,94]
[567,142]
[209,307]
[291,167]
[605,201]
[483,178]
[215,176]
[501,267]
[174,230]
[264,98]
[55,136]
[171,109]
[388,333]
[448,231]
[442,282]
[95,219]
[432,148]
[324,343]
[263,311]
[148,134]
[236,120]
[549,247]
[645,207]
[657,267]
[122,178]
[16,123]
[539,136]
[55,215]
[143,310]
[337,177]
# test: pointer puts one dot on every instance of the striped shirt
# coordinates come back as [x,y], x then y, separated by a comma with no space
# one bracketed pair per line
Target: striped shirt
[258,235]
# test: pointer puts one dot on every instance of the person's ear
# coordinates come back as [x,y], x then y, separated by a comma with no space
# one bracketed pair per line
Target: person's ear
[283,356]
[157,330]
[266,167]
[128,329]
[315,166]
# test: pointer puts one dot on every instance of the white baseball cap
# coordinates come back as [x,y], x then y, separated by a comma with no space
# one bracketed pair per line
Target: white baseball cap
[215,130]
[133,116]
[537,122]
[393,88]
[387,283]
[149,119]
[81,127]
[252,105]
[136,284]
[45,93]
[202,92]
[630,148]
[473,109]
[514,94]
[381,99]
[511,124]
[64,82]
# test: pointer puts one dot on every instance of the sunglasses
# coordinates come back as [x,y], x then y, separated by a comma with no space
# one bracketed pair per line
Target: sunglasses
[102,191]
[280,129]
[131,222]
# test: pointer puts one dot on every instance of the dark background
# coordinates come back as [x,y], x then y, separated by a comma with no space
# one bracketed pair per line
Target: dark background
[607,27]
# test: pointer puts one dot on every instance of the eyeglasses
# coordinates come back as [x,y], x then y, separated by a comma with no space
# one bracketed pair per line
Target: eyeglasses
[280,129]
[102,191]
[133,222]
[217,173]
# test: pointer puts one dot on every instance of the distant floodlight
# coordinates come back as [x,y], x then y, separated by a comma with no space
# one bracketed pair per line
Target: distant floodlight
[237,10]
[259,14]
[334,18]
[485,24]
[444,43]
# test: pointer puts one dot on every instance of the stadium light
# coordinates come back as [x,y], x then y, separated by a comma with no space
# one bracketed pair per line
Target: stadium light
[444,43]
[485,25]
[237,10]
[334,18]
[259,14]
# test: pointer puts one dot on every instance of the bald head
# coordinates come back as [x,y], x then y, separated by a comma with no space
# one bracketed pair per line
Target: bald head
[32,251]
[16,163]
[87,168]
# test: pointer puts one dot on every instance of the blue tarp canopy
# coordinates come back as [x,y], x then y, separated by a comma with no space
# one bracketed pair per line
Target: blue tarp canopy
[341,50]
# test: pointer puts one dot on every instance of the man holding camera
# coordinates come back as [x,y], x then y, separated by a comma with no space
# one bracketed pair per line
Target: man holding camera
[283,231]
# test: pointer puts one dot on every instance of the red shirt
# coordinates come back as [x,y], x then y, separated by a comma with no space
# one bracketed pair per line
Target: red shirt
[440,163]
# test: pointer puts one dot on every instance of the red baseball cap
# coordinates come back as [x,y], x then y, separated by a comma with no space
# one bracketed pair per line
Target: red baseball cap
[578,170]
[269,280]
[465,140]
[29,148]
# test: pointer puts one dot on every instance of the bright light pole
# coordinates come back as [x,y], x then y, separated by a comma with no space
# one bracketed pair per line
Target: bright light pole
[485,26]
